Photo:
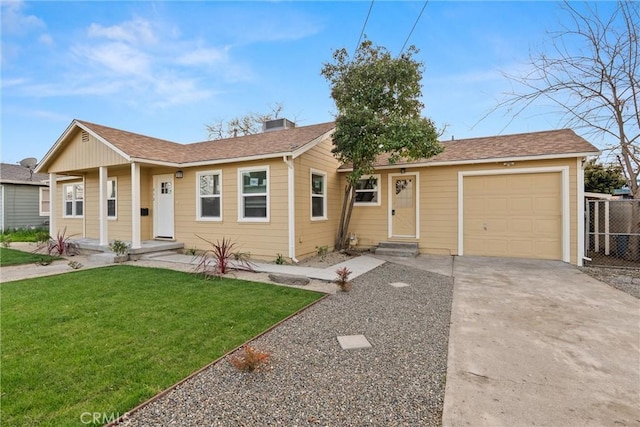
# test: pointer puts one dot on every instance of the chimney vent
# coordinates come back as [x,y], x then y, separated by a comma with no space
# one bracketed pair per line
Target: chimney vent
[277,124]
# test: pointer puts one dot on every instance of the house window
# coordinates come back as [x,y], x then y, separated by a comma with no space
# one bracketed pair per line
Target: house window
[44,201]
[318,195]
[73,200]
[112,198]
[209,195]
[254,194]
[368,191]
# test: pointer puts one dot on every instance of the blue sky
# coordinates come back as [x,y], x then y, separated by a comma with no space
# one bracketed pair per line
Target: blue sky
[166,69]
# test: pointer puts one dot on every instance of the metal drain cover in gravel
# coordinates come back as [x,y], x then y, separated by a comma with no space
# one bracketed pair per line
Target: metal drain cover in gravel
[399,285]
[350,342]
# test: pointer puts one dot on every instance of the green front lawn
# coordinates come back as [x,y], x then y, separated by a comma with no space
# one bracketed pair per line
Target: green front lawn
[106,339]
[14,257]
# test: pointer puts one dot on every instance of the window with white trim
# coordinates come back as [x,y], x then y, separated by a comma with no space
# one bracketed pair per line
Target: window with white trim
[253,194]
[44,201]
[368,191]
[73,200]
[209,195]
[318,195]
[112,198]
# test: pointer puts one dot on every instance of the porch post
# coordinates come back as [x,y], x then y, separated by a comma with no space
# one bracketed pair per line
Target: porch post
[135,206]
[104,236]
[53,204]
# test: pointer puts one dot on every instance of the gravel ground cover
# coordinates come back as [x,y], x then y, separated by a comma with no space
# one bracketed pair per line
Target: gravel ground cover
[624,279]
[312,381]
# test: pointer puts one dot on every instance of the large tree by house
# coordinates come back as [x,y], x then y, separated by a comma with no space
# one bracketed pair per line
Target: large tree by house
[379,110]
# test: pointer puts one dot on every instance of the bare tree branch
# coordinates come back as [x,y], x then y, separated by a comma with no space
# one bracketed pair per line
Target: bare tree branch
[589,75]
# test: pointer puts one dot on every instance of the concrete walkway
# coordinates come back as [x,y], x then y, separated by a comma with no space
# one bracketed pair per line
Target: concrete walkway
[358,266]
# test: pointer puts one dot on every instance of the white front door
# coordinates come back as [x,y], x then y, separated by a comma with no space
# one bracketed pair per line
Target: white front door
[163,206]
[402,191]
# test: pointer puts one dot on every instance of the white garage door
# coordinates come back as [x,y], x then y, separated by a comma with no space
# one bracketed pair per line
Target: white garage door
[517,215]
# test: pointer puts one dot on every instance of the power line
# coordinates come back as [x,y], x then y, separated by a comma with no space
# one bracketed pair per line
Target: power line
[363,27]
[414,27]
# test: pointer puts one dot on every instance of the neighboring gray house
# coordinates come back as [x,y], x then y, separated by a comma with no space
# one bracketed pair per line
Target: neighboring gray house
[24,198]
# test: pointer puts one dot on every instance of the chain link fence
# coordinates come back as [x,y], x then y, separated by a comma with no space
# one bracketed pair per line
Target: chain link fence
[612,233]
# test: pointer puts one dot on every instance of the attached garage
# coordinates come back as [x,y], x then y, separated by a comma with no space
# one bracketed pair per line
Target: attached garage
[515,196]
[519,213]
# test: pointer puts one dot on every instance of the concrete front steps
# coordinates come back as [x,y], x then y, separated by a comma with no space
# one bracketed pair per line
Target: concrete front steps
[399,249]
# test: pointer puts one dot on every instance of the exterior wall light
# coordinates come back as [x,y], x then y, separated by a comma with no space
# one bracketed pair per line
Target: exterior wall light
[179,174]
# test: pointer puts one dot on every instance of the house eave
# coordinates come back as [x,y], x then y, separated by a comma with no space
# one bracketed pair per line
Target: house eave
[481,161]
[18,182]
[235,159]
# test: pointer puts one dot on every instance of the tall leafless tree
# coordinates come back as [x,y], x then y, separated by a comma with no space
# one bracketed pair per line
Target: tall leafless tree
[590,74]
[248,124]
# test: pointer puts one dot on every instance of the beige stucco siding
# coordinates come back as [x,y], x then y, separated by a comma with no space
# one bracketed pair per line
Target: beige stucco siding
[439,206]
[78,155]
[313,234]
[263,239]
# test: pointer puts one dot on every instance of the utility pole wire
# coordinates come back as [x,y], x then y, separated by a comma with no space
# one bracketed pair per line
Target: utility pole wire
[363,27]
[414,26]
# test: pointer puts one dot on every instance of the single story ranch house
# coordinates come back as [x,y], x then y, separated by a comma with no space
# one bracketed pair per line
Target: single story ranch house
[280,192]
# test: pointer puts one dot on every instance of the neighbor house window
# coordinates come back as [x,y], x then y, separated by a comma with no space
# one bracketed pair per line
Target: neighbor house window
[112,198]
[73,200]
[368,190]
[318,195]
[44,201]
[253,197]
[209,195]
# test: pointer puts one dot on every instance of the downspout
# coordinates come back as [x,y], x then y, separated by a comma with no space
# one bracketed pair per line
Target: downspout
[291,207]
[580,256]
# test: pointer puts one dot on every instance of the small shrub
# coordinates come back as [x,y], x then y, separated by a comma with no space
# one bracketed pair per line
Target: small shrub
[42,237]
[342,279]
[321,251]
[119,247]
[248,359]
[6,240]
[280,260]
[216,262]
[191,251]
[75,265]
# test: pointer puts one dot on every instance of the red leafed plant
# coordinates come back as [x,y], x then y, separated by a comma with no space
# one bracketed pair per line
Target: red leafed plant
[249,359]
[222,257]
[342,279]
[60,244]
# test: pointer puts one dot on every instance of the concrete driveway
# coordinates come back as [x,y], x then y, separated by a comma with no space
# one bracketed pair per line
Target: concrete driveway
[540,343]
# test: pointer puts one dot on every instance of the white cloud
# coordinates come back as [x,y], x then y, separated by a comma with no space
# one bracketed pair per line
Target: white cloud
[5,83]
[46,39]
[203,56]
[15,20]
[135,31]
[117,57]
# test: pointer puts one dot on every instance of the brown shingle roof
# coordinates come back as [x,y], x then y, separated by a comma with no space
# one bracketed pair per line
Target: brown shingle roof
[136,145]
[562,143]
[262,144]
[16,174]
